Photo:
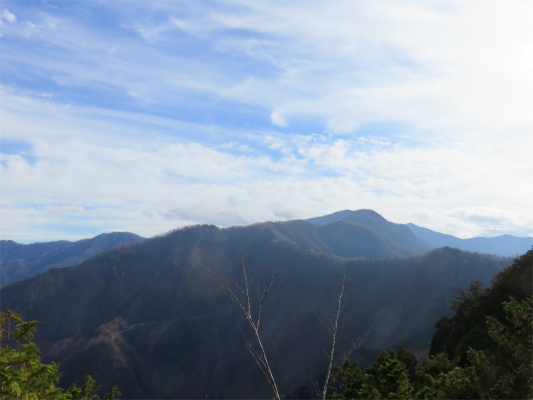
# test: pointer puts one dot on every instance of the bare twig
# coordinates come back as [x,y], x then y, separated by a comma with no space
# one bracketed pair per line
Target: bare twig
[244,304]
[314,383]
[332,326]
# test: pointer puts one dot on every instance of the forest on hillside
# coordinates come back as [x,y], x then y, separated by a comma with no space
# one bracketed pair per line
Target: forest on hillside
[482,351]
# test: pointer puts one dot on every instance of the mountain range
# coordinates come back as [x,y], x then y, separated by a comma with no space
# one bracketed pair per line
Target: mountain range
[504,245]
[18,261]
[149,318]
[361,233]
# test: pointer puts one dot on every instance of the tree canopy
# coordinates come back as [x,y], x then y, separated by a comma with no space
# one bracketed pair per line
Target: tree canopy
[24,376]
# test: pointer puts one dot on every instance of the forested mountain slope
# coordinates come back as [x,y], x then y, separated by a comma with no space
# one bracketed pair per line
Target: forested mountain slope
[18,261]
[466,329]
[362,233]
[399,234]
[481,352]
[10,250]
[349,238]
[148,318]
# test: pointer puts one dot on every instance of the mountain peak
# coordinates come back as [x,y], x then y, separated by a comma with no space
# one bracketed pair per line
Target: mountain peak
[346,215]
[398,233]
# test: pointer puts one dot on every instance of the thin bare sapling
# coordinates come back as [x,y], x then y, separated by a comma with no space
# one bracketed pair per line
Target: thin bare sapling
[332,323]
[241,296]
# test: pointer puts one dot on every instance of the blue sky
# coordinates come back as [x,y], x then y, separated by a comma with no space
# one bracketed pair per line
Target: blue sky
[147,116]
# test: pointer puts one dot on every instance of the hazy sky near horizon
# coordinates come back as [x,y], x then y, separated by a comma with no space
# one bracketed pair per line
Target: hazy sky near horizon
[145,116]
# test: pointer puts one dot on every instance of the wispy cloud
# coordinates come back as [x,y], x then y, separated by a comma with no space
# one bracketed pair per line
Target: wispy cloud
[144,116]
[7,16]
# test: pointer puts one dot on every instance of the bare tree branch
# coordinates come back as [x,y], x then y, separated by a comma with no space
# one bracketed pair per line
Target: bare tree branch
[316,389]
[246,285]
[261,298]
[333,326]
[326,325]
[245,306]
[256,355]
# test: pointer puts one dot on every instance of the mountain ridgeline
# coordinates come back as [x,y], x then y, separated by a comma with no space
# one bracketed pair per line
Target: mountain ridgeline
[18,261]
[372,232]
[504,245]
[149,319]
[362,233]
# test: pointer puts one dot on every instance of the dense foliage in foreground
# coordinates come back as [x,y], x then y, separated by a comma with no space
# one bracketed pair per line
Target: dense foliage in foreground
[24,376]
[484,351]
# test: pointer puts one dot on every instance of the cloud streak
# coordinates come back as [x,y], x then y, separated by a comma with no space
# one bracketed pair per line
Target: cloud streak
[173,113]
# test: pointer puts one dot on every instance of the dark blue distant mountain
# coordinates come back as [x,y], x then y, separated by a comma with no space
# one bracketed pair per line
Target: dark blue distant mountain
[19,261]
[505,245]
[11,250]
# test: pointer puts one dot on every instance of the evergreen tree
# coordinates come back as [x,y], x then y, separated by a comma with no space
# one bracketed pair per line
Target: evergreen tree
[24,376]
[467,328]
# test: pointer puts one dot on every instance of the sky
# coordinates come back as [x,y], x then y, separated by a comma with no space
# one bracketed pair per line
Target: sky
[146,116]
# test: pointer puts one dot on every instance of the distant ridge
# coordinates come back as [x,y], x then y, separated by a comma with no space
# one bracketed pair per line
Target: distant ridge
[504,245]
[149,319]
[18,261]
[399,234]
[11,250]
[347,233]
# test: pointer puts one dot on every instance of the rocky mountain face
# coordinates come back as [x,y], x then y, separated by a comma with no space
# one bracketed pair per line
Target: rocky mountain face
[18,261]
[150,319]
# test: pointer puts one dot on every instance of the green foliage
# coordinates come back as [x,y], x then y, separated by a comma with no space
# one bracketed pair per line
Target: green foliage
[22,373]
[387,379]
[467,329]
[498,366]
[24,376]
[505,369]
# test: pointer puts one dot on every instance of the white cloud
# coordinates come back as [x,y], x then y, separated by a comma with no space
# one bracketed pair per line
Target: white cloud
[277,119]
[153,186]
[434,67]
[160,118]
[7,16]
[66,210]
